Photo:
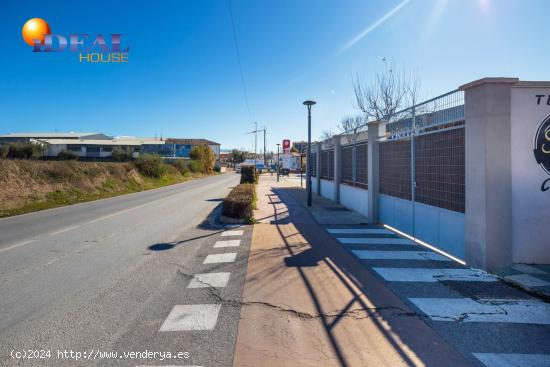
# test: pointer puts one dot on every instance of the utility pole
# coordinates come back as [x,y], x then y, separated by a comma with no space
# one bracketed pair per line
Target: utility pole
[265,153]
[255,132]
[277,165]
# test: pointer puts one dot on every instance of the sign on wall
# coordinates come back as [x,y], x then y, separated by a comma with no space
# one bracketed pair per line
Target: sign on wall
[541,149]
[530,156]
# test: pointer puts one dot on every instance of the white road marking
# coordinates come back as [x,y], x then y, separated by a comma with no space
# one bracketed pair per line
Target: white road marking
[468,310]
[432,275]
[524,268]
[375,241]
[123,211]
[228,243]
[215,280]
[232,233]
[513,359]
[399,255]
[192,317]
[228,257]
[67,229]
[359,231]
[52,261]
[527,280]
[16,245]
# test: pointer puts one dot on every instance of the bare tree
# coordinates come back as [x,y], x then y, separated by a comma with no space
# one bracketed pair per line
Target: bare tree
[388,93]
[326,134]
[352,126]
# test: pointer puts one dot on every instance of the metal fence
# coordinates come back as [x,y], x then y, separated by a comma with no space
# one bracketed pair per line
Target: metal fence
[422,155]
[327,164]
[314,164]
[355,164]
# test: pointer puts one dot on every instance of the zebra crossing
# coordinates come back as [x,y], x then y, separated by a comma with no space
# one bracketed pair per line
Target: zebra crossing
[462,304]
[203,317]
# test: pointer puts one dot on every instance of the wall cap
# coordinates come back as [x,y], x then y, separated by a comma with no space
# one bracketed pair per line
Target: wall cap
[532,84]
[477,83]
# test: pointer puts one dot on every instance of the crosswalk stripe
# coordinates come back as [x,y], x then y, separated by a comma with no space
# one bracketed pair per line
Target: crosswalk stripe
[527,280]
[398,255]
[513,359]
[214,280]
[228,257]
[468,310]
[359,231]
[232,233]
[228,243]
[374,241]
[432,275]
[192,317]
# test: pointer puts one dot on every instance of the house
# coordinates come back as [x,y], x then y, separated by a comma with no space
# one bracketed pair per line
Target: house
[100,146]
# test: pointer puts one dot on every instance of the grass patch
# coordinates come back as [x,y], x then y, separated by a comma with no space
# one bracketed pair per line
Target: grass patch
[73,182]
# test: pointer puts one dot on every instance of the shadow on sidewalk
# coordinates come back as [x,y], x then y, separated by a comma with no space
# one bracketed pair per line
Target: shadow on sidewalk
[368,295]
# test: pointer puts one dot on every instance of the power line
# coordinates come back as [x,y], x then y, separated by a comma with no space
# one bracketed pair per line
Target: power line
[239,60]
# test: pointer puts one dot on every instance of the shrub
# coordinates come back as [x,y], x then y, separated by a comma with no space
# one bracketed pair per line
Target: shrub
[196,166]
[181,166]
[240,202]
[67,155]
[122,154]
[249,174]
[4,150]
[151,165]
[25,150]
[205,155]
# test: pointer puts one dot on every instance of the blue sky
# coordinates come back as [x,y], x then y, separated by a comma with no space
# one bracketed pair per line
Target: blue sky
[182,78]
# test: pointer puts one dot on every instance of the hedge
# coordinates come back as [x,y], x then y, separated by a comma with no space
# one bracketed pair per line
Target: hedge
[240,202]
[249,175]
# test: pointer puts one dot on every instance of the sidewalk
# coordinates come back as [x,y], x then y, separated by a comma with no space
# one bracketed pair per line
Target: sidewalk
[308,302]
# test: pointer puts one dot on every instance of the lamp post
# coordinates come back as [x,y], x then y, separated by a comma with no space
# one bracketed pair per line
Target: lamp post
[308,174]
[277,165]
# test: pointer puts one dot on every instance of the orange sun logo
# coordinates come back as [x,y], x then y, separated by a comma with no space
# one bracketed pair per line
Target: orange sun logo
[35,29]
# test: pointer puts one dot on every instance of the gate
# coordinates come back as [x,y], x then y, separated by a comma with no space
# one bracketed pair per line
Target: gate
[421,168]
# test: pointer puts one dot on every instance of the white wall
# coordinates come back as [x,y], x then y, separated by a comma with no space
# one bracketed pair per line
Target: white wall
[530,205]
[327,189]
[439,227]
[354,198]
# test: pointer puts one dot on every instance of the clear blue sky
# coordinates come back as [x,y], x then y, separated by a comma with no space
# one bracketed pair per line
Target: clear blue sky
[183,80]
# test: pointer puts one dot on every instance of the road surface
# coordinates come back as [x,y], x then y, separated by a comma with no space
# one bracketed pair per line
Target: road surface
[106,276]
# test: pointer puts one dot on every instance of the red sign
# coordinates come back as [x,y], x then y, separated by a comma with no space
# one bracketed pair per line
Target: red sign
[286,144]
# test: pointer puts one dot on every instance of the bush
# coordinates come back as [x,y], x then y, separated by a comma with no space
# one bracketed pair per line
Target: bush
[151,165]
[122,154]
[196,166]
[67,155]
[240,202]
[25,150]
[4,150]
[205,155]
[181,166]
[249,174]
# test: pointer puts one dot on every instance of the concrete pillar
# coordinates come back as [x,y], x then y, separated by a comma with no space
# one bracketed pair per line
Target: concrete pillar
[318,169]
[337,167]
[488,196]
[373,173]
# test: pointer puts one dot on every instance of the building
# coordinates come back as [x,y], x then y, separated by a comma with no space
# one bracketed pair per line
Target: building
[300,146]
[27,137]
[100,146]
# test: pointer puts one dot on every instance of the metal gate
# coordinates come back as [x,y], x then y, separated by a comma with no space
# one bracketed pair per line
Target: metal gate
[421,172]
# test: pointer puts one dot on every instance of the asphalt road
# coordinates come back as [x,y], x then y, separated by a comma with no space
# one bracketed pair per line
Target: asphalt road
[104,277]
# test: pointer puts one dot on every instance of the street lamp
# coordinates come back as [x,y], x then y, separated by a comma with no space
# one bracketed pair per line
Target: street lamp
[308,174]
[277,165]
